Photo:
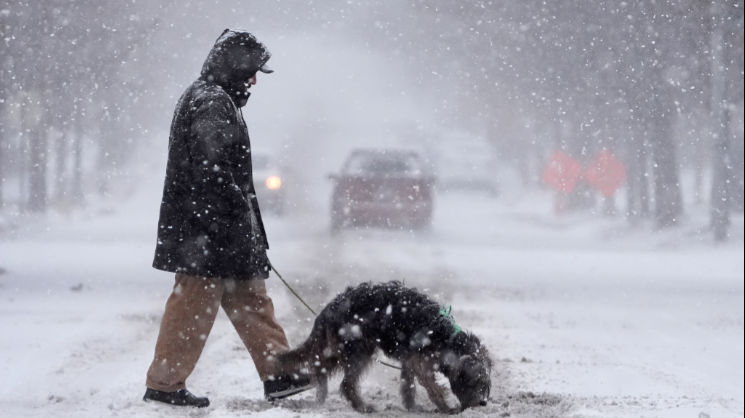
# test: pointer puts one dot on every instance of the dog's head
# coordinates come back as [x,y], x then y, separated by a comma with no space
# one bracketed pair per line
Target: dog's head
[470,375]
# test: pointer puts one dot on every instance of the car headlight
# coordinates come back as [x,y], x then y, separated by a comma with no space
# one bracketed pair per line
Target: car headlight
[273,182]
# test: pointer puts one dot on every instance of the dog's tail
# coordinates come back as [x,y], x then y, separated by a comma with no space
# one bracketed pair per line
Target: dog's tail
[309,357]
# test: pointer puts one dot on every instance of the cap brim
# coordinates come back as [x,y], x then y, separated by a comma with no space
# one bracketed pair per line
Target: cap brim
[266,69]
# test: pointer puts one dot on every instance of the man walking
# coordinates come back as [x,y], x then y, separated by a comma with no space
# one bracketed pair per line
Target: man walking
[210,231]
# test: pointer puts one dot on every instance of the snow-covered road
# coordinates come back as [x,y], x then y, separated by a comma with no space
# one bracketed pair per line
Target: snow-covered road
[583,317]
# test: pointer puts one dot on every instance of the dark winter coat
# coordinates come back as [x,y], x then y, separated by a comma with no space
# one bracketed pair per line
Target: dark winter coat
[210,224]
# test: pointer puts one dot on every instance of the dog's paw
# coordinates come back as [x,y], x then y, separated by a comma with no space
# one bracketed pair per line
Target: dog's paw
[449,411]
[365,408]
[416,408]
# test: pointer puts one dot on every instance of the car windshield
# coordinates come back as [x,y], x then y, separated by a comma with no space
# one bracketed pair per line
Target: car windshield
[383,163]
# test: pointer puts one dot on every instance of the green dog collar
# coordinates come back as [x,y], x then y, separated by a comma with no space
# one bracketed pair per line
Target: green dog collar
[448,314]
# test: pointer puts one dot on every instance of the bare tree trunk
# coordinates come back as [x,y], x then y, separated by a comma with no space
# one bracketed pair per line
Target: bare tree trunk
[645,207]
[77,150]
[721,178]
[105,157]
[720,116]
[698,168]
[632,182]
[737,162]
[2,160]
[637,198]
[23,147]
[667,195]
[60,168]
[37,197]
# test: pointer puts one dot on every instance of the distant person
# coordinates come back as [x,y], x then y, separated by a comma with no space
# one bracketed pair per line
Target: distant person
[210,231]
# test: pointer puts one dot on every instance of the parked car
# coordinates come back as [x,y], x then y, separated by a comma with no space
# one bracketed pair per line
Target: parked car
[269,182]
[382,187]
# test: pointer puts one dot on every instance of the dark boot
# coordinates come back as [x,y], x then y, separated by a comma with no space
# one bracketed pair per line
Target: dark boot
[284,386]
[179,398]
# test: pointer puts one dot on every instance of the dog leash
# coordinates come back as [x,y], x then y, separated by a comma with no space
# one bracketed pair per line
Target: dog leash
[393,366]
[291,289]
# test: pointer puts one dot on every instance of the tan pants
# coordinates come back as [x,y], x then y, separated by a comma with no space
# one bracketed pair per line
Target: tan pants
[190,312]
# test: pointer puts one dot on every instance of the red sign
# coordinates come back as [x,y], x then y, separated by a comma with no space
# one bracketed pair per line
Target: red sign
[562,172]
[606,173]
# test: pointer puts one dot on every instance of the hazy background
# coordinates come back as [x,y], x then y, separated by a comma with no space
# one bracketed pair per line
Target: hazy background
[87,90]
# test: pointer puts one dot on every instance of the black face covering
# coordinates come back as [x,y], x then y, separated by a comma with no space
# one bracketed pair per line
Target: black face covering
[239,93]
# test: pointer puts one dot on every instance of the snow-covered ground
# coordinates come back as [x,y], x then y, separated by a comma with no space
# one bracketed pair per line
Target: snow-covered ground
[584,316]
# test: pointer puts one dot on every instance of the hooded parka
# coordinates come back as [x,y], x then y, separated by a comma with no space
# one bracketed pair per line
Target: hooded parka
[210,224]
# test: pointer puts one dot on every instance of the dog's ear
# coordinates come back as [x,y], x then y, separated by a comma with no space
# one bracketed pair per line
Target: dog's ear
[466,360]
[448,362]
[484,356]
[460,365]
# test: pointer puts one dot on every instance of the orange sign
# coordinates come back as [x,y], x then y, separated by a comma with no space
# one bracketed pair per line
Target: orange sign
[562,172]
[606,173]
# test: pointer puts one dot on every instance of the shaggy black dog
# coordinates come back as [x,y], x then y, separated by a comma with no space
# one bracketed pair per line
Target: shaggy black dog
[407,326]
